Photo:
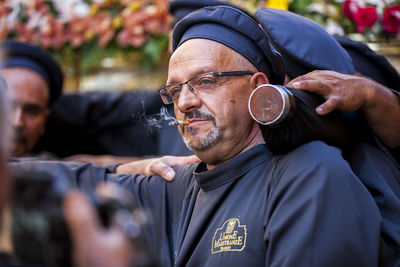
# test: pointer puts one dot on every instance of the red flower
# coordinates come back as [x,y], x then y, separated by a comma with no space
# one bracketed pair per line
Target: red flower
[391,19]
[350,7]
[365,18]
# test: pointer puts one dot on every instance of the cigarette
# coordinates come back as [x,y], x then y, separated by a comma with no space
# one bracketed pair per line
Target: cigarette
[183,123]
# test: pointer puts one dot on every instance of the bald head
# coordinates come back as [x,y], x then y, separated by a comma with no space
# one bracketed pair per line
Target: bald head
[200,52]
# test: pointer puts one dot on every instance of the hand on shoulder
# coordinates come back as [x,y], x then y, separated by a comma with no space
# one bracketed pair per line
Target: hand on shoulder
[162,166]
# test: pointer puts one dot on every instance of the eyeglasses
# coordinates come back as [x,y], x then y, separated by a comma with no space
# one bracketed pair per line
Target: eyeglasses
[202,82]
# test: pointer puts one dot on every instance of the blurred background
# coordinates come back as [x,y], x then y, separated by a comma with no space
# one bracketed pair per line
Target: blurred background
[122,45]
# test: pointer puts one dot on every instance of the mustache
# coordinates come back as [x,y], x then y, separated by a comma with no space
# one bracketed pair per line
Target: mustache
[196,114]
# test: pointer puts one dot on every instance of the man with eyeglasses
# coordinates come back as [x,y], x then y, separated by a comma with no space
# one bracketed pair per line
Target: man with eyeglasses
[241,205]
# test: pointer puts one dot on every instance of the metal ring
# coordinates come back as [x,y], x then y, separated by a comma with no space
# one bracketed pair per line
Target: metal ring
[259,107]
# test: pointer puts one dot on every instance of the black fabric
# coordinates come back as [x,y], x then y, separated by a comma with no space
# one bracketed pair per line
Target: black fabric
[380,173]
[304,44]
[180,8]
[18,54]
[306,208]
[7,260]
[243,27]
[370,64]
[102,123]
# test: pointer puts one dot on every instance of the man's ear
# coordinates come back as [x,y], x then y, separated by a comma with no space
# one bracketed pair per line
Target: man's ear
[258,79]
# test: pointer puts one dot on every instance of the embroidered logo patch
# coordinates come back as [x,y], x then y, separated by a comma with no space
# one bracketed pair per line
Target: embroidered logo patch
[230,237]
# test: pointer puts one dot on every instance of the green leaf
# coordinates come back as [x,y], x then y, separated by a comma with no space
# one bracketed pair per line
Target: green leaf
[52,8]
[21,16]
[152,51]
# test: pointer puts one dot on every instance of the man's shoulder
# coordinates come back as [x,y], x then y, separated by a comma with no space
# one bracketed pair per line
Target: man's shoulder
[315,152]
[313,160]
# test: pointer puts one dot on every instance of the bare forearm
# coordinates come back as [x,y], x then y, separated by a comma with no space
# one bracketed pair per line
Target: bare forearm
[138,167]
[382,113]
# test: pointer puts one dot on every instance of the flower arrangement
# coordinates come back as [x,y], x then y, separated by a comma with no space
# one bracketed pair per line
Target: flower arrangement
[383,15]
[92,28]
[366,17]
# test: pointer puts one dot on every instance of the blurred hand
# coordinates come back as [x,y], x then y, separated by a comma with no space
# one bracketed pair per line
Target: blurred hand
[100,159]
[160,166]
[93,245]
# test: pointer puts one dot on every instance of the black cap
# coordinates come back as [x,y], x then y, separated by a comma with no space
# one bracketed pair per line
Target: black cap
[19,54]
[304,44]
[370,64]
[234,28]
[180,8]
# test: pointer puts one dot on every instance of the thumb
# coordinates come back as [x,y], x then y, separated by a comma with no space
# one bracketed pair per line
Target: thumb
[164,170]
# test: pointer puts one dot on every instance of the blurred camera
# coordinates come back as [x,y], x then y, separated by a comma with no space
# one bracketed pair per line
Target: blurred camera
[39,232]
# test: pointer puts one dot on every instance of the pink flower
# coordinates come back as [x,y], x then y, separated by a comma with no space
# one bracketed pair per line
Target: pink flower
[77,29]
[103,27]
[123,38]
[391,19]
[365,17]
[126,38]
[138,40]
[52,33]
[4,29]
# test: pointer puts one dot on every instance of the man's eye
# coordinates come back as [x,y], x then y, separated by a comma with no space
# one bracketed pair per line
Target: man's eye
[174,91]
[206,81]
[32,110]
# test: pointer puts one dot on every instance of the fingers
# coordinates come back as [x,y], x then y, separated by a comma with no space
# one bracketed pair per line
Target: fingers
[163,166]
[80,158]
[187,160]
[164,170]
[314,86]
[332,101]
[328,106]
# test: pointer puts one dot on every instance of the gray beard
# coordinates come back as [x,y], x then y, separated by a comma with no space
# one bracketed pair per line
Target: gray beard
[207,140]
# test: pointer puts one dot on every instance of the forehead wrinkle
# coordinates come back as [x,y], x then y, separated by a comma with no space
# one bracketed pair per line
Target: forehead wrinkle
[197,56]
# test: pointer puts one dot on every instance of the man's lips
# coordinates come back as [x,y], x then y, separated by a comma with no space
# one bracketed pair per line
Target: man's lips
[197,121]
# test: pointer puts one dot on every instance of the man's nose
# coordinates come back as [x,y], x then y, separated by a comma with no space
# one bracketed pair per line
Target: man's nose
[18,117]
[188,100]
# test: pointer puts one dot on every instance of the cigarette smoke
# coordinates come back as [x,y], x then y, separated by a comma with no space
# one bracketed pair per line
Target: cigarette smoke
[155,122]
